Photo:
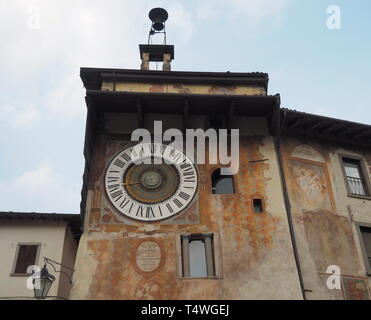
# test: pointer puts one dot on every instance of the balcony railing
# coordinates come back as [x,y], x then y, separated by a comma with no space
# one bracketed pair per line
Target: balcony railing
[357,186]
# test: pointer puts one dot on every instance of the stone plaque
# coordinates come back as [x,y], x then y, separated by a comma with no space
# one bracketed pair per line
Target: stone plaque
[148,256]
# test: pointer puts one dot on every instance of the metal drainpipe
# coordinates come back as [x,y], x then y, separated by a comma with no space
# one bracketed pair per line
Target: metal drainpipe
[277,146]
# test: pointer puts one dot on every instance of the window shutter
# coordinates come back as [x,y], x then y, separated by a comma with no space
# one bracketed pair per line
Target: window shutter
[26,257]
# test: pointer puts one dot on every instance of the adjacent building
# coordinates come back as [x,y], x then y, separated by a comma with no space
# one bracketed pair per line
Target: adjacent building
[25,239]
[326,170]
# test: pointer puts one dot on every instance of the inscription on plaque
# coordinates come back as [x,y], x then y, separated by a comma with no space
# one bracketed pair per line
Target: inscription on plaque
[148,256]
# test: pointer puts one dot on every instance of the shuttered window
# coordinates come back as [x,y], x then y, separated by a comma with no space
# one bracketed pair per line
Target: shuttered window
[26,256]
[198,256]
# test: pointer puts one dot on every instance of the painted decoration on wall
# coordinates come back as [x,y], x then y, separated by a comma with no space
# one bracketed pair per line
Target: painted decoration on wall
[310,186]
[307,152]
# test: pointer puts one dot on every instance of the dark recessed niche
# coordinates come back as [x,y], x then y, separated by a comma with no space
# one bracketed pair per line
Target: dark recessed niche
[258,205]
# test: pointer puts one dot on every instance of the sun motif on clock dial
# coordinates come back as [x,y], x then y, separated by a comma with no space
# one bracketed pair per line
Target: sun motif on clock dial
[150,181]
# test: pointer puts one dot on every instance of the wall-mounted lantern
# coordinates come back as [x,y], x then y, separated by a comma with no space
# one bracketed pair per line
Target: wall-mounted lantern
[43,280]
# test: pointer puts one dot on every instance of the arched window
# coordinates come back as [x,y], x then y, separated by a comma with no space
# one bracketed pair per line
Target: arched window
[222,184]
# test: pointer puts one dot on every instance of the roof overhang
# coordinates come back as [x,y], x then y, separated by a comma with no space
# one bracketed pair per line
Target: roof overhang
[93,77]
[325,128]
[73,220]
[173,103]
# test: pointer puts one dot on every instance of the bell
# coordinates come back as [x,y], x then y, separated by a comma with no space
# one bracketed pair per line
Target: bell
[158,26]
[158,16]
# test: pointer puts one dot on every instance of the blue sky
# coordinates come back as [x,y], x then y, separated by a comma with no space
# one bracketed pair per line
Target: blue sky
[42,108]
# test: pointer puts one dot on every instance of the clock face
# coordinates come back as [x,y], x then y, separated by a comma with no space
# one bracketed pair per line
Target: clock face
[150,181]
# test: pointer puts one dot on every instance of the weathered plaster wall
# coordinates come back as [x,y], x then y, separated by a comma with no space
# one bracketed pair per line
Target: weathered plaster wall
[68,260]
[183,88]
[324,217]
[254,251]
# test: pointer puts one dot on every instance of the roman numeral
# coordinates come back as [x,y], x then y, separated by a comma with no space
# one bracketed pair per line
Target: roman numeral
[178,203]
[122,205]
[113,186]
[119,163]
[188,173]
[177,157]
[185,166]
[131,207]
[140,211]
[170,208]
[159,209]
[184,195]
[112,179]
[150,213]
[189,179]
[118,198]
[126,157]
[133,152]
[116,194]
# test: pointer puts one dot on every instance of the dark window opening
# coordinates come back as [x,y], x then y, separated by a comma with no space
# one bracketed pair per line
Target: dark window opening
[26,257]
[198,256]
[258,205]
[355,178]
[222,184]
[366,238]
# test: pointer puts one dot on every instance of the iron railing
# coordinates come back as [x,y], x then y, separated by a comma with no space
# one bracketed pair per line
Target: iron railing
[357,186]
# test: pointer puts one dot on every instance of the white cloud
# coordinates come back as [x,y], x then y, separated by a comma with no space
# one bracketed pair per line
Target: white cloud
[42,189]
[40,83]
[43,63]
[68,35]
[34,182]
[67,97]
[26,116]
[20,116]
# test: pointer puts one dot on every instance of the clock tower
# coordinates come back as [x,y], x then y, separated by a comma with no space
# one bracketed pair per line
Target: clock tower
[158,222]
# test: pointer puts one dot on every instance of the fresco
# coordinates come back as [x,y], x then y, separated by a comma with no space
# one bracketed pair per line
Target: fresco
[310,187]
